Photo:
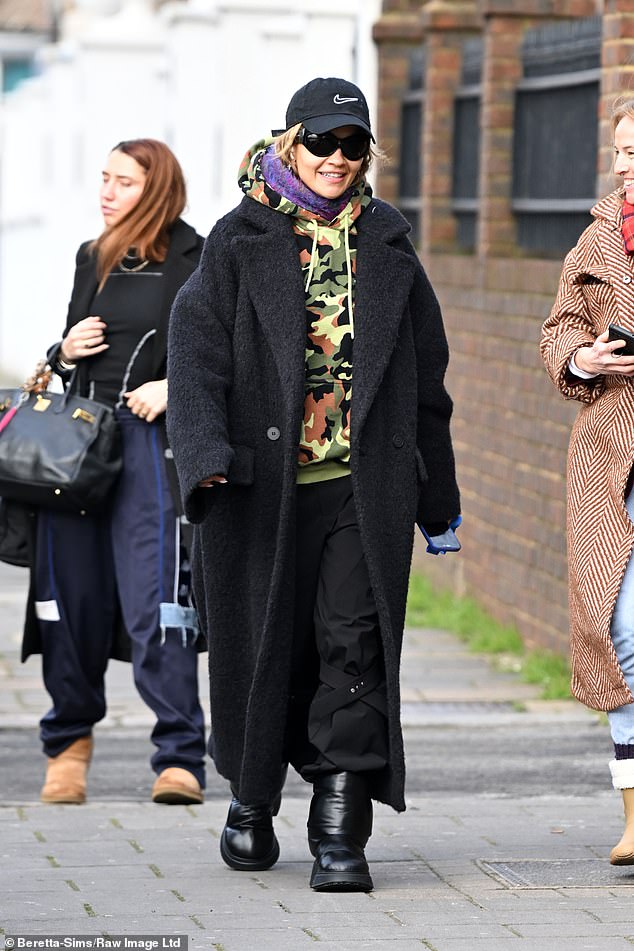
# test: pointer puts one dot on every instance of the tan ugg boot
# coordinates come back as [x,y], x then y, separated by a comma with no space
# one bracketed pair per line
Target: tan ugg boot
[66,773]
[623,778]
[177,787]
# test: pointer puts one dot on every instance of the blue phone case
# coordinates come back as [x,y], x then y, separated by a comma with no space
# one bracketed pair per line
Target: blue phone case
[448,541]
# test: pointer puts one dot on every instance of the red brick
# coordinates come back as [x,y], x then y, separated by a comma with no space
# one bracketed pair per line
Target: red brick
[539,8]
[394,27]
[623,7]
[400,6]
[618,27]
[617,53]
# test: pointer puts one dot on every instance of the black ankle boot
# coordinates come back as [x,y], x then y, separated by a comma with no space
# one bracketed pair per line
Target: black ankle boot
[339,826]
[248,842]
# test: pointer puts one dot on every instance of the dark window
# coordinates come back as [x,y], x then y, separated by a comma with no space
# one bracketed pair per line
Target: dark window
[411,166]
[555,135]
[466,145]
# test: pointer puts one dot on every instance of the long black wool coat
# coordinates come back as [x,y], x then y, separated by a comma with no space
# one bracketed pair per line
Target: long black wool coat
[236,392]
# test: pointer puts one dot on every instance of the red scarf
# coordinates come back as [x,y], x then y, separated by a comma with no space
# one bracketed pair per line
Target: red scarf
[627,228]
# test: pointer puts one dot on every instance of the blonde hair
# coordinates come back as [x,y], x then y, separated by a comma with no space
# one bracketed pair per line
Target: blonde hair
[285,142]
[145,227]
[623,108]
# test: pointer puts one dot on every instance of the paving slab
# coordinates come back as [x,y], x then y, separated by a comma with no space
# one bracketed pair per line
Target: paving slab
[504,843]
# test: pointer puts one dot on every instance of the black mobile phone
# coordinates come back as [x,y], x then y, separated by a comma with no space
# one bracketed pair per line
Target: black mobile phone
[620,333]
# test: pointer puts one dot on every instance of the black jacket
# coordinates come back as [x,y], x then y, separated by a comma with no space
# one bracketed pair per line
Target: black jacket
[236,371]
[182,257]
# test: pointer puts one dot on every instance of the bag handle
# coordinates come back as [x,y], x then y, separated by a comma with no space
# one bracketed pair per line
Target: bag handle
[38,383]
[69,388]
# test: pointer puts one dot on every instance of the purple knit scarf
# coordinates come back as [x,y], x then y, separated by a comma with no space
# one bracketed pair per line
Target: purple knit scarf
[284,181]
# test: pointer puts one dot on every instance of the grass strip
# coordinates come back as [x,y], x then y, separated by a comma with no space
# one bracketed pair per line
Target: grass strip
[430,607]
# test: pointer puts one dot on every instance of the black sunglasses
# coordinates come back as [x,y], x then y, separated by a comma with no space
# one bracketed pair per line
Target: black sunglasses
[354,147]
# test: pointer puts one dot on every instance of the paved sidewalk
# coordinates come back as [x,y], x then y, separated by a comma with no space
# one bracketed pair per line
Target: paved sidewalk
[504,844]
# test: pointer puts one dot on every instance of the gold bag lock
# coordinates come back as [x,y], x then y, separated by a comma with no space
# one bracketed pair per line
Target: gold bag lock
[83,415]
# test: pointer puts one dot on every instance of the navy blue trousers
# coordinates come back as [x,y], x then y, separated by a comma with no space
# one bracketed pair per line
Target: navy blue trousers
[127,560]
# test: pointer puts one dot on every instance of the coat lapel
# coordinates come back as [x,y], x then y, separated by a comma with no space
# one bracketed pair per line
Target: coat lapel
[177,269]
[274,282]
[384,280]
[611,263]
[84,291]
[621,275]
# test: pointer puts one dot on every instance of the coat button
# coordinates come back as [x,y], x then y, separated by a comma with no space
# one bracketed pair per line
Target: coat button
[627,279]
[398,441]
[273,433]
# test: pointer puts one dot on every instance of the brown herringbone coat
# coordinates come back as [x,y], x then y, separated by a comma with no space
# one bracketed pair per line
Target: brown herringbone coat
[595,290]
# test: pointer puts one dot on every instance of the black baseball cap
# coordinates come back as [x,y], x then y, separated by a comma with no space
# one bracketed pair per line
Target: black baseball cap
[325,104]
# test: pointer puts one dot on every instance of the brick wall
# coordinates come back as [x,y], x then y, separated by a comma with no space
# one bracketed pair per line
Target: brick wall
[510,428]
[617,71]
[510,434]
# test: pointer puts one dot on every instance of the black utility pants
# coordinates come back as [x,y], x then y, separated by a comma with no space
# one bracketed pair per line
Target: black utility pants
[337,712]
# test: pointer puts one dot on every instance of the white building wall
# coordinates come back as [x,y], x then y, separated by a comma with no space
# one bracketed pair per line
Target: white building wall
[207,77]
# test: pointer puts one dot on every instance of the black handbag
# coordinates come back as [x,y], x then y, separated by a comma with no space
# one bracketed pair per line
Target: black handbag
[57,450]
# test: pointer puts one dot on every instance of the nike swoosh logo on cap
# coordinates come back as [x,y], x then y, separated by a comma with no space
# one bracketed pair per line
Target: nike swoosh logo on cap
[338,100]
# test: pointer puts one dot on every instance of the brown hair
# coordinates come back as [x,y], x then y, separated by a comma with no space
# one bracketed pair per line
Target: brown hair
[145,227]
[623,107]
[284,148]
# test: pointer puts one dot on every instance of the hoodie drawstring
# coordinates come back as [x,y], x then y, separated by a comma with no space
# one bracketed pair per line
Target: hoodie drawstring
[346,238]
[313,263]
[313,254]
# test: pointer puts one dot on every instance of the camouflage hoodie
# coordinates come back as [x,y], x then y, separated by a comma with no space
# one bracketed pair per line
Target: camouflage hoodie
[327,254]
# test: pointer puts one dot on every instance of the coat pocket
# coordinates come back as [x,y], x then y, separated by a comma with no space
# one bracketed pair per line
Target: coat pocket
[421,469]
[242,465]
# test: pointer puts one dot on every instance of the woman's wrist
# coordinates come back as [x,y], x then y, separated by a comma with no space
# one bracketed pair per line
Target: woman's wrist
[576,368]
[63,362]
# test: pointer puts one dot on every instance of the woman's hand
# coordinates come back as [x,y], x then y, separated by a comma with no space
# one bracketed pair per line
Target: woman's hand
[211,481]
[601,357]
[84,339]
[149,400]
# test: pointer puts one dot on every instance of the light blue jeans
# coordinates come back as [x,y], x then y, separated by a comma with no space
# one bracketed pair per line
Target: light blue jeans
[622,631]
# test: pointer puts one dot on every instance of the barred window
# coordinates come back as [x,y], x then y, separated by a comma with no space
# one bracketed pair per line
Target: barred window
[466,144]
[555,142]
[411,165]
